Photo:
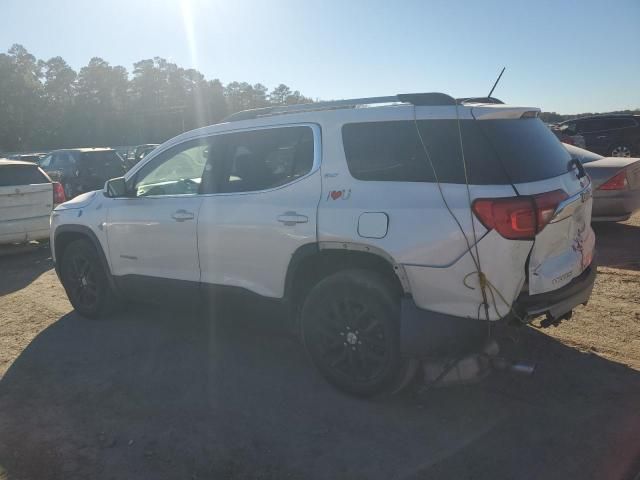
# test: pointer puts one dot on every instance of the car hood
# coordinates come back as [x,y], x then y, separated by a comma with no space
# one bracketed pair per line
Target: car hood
[602,170]
[80,201]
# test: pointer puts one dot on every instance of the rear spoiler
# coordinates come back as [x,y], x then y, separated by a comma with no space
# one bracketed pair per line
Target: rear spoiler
[497,112]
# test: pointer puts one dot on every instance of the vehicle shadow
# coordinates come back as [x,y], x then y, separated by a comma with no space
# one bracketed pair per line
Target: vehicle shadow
[154,393]
[618,245]
[13,274]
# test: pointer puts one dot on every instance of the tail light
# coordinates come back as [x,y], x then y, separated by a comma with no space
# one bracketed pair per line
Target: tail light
[518,218]
[58,193]
[617,182]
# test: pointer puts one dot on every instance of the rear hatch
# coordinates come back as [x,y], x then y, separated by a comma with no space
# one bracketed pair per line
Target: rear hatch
[510,146]
[26,200]
[538,166]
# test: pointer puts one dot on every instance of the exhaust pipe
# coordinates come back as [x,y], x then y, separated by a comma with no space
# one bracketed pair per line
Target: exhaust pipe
[519,367]
[472,368]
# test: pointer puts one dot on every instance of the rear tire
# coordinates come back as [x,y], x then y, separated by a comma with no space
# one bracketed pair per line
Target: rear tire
[351,330]
[85,280]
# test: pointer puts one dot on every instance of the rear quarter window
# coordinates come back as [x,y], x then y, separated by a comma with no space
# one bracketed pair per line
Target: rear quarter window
[496,152]
[385,151]
[15,175]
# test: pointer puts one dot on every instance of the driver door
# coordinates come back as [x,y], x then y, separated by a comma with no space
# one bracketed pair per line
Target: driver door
[151,233]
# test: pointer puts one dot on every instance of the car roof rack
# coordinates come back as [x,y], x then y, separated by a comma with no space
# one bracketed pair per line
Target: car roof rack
[418,99]
[431,99]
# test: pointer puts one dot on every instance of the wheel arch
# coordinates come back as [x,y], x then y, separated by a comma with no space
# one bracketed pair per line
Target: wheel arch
[312,262]
[65,234]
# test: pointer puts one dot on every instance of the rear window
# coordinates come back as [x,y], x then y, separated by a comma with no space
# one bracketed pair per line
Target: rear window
[105,164]
[14,175]
[496,151]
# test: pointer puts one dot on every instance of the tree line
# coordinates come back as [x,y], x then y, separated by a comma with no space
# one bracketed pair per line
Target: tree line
[46,104]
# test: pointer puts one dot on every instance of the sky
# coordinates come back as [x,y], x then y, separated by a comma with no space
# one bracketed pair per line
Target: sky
[564,56]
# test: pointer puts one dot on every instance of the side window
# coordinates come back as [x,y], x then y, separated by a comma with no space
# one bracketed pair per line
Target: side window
[621,123]
[261,159]
[64,161]
[594,125]
[569,128]
[385,151]
[46,161]
[177,171]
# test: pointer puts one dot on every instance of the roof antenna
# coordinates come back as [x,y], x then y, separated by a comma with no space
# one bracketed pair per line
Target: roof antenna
[497,80]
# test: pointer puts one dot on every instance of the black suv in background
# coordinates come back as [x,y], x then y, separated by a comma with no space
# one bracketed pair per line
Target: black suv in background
[81,170]
[609,135]
[139,153]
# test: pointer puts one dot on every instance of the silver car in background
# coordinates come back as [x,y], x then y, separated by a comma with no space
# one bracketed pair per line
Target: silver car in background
[616,184]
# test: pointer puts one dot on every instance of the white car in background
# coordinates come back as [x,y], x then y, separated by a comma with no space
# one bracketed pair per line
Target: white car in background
[393,227]
[27,197]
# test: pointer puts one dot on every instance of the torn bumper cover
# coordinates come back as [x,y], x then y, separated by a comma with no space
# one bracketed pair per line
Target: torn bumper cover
[427,333]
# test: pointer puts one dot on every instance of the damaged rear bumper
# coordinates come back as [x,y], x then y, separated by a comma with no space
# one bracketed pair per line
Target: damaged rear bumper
[427,333]
[557,303]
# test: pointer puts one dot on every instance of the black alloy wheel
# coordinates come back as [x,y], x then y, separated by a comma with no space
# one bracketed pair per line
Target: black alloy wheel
[85,280]
[350,329]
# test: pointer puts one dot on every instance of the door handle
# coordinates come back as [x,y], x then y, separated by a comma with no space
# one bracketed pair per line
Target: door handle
[291,218]
[600,137]
[182,215]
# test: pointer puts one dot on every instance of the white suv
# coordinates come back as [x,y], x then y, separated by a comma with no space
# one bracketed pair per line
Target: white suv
[394,227]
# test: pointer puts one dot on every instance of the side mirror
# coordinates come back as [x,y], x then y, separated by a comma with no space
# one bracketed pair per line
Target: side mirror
[116,187]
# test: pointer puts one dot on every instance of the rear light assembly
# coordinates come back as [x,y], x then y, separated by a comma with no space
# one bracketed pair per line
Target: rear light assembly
[617,182]
[58,193]
[518,218]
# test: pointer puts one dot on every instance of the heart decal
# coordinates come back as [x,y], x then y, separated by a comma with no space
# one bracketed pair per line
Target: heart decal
[335,194]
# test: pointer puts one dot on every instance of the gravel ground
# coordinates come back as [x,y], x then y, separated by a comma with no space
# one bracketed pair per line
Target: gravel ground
[165,394]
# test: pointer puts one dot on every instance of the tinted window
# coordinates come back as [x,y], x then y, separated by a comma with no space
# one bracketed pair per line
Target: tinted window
[621,123]
[46,161]
[13,175]
[495,151]
[568,128]
[593,125]
[261,159]
[103,164]
[387,151]
[64,160]
[526,149]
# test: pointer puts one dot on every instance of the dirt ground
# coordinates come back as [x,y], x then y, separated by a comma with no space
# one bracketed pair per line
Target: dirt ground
[166,394]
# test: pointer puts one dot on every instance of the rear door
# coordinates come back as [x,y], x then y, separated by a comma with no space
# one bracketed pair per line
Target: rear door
[26,200]
[265,186]
[599,134]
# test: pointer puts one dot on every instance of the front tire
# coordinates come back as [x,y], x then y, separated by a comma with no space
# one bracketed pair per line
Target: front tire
[350,329]
[85,280]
